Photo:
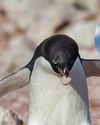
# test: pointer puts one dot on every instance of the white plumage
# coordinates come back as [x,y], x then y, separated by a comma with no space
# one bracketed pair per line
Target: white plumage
[53,103]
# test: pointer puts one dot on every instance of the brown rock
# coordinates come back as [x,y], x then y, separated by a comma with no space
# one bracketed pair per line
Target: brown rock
[9,118]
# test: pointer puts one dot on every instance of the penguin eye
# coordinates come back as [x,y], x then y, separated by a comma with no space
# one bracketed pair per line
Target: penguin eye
[54,62]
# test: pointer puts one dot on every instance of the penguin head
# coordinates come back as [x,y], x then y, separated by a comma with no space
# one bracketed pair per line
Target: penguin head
[60,51]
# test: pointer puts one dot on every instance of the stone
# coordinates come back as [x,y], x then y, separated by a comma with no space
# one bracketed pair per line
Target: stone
[83,33]
[9,118]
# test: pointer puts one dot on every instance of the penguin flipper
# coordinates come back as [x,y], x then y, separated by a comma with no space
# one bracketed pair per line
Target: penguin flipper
[14,81]
[91,67]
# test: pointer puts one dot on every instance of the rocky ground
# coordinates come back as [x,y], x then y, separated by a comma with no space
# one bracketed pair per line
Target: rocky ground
[24,24]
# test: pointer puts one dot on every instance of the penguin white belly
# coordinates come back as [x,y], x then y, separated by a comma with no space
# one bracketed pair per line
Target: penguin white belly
[51,102]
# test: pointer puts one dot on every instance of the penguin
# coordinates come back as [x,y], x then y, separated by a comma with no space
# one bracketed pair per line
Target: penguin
[50,101]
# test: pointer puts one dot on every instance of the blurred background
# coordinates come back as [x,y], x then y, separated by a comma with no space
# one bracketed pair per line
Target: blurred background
[26,23]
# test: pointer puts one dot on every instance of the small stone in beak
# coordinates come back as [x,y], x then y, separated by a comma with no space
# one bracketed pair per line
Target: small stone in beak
[65,80]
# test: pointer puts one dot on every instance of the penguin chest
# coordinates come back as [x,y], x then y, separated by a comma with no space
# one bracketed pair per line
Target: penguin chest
[51,102]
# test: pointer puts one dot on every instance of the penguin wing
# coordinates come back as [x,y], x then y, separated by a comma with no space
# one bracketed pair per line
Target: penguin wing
[14,81]
[91,67]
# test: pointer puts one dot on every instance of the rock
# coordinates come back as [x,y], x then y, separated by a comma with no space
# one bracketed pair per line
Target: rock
[83,33]
[42,19]
[18,11]
[9,118]
[16,56]
[91,5]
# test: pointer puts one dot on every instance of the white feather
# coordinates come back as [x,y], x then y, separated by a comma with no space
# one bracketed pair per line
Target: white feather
[52,103]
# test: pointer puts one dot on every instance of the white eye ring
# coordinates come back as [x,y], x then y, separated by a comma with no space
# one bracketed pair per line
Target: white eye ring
[54,61]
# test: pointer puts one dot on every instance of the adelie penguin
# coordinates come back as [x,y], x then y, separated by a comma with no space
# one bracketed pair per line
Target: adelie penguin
[50,101]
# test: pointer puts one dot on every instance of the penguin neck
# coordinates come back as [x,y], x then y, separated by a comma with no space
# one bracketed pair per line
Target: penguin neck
[51,102]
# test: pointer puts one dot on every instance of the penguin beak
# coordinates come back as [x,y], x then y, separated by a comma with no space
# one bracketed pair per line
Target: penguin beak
[64,72]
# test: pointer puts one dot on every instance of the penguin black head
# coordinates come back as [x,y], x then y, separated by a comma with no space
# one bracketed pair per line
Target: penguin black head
[60,51]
